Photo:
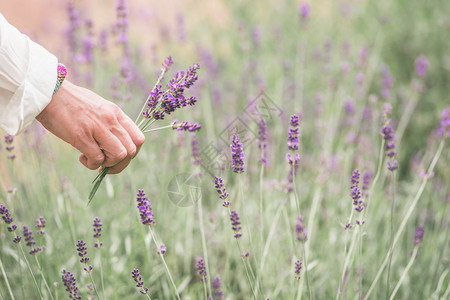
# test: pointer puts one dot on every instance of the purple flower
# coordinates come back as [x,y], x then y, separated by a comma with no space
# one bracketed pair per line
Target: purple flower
[298,268]
[121,25]
[418,236]
[389,138]
[6,216]
[304,10]
[201,269]
[262,139]
[300,230]
[444,130]
[29,238]
[139,282]
[221,190]
[162,249]
[40,225]
[355,191]
[367,176]
[186,126]
[217,291]
[97,228]
[235,224]
[421,65]
[293,163]
[387,82]
[195,150]
[262,134]
[82,252]
[168,62]
[293,134]
[69,282]
[237,154]
[145,208]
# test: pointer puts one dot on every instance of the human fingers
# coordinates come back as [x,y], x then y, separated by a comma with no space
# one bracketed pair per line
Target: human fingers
[112,147]
[120,166]
[92,156]
[134,132]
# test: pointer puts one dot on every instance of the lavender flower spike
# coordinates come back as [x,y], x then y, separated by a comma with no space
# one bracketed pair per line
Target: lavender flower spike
[186,126]
[145,208]
[355,191]
[201,269]
[421,65]
[218,293]
[298,268]
[40,225]
[444,129]
[235,224]
[222,191]
[139,283]
[82,252]
[293,134]
[97,228]
[69,282]
[418,237]
[300,230]
[237,154]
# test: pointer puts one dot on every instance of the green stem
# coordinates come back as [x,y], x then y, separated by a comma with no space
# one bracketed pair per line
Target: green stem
[6,279]
[43,277]
[205,252]
[408,215]
[93,283]
[31,271]
[261,199]
[165,265]
[391,248]
[156,129]
[399,283]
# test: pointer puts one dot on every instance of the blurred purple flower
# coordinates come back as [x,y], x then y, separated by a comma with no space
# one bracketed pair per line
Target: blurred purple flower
[201,269]
[97,228]
[186,126]
[298,268]
[40,225]
[195,150]
[293,134]
[444,129]
[236,224]
[217,292]
[237,154]
[301,232]
[304,10]
[355,191]
[421,65]
[418,236]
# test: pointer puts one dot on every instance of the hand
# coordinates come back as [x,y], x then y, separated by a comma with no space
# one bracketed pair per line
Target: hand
[98,128]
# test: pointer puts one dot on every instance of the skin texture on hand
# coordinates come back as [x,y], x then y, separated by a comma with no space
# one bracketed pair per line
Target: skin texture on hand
[98,128]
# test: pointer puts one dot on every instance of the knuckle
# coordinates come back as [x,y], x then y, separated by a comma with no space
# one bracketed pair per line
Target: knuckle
[98,159]
[140,139]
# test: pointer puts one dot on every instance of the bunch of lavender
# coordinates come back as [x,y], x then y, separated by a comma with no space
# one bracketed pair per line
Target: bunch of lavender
[162,102]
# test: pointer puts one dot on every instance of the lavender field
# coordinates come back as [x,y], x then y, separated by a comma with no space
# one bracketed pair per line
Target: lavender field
[294,150]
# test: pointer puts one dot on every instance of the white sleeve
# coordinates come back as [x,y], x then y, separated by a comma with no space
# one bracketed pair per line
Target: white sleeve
[28,76]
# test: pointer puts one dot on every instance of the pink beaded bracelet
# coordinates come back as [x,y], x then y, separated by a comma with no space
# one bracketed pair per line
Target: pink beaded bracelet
[62,72]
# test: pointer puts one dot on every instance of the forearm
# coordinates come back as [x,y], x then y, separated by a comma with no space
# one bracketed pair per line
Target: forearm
[27,78]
